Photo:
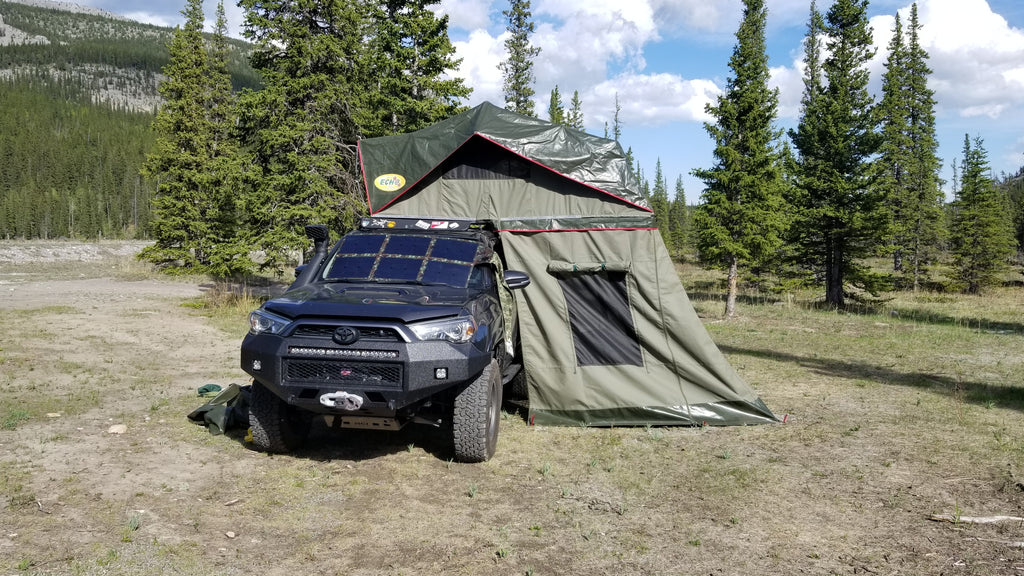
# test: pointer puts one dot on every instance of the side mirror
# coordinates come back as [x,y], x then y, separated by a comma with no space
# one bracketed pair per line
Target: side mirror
[516,280]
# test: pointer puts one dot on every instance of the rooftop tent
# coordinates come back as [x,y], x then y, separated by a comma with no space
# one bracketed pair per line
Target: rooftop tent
[609,335]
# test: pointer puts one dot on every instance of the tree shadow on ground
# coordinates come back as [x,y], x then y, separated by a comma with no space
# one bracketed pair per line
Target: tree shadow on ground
[882,309]
[978,393]
[928,317]
[747,299]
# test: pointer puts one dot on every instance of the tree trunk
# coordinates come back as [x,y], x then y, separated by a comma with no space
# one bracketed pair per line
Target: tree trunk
[730,298]
[834,275]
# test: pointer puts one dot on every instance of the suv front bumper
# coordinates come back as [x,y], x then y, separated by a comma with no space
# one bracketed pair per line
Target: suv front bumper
[390,377]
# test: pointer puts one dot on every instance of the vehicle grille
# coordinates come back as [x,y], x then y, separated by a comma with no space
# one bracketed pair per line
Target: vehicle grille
[365,333]
[341,372]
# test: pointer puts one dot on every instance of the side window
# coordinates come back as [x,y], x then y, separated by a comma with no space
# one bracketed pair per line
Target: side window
[599,316]
[482,277]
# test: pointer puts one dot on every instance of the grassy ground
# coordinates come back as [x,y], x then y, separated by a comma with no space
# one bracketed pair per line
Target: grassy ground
[893,414]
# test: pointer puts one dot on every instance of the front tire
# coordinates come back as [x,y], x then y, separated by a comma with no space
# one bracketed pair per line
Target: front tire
[475,416]
[276,426]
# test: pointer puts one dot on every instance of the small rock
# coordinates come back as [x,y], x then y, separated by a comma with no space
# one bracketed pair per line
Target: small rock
[229,534]
[53,414]
[117,429]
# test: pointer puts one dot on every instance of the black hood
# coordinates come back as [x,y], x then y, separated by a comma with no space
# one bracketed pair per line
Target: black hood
[403,303]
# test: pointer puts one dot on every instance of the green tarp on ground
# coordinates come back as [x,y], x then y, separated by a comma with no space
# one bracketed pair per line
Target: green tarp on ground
[609,336]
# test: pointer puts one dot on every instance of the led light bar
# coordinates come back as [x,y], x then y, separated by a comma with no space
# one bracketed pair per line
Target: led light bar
[342,353]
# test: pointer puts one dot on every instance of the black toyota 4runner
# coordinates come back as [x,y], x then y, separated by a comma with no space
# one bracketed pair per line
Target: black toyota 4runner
[402,321]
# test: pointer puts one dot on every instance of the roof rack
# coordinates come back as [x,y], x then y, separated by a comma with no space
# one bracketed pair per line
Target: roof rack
[383,223]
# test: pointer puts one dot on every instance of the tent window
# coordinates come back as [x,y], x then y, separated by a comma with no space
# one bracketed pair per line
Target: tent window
[506,167]
[599,316]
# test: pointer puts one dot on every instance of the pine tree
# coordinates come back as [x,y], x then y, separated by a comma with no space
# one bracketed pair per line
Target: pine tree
[556,112]
[518,66]
[982,234]
[228,253]
[926,227]
[894,153]
[299,127]
[838,216]
[741,216]
[616,122]
[1013,187]
[908,165]
[575,117]
[407,69]
[661,206]
[677,221]
[193,213]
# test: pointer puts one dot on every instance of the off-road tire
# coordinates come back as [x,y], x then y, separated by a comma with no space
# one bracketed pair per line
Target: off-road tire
[276,427]
[476,414]
[517,387]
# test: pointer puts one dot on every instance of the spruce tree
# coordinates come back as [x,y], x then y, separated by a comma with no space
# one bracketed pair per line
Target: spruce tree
[193,212]
[982,234]
[1013,186]
[677,221]
[407,83]
[926,229]
[908,166]
[574,119]
[894,153]
[299,128]
[229,254]
[661,206]
[838,215]
[518,65]
[556,112]
[617,123]
[741,216]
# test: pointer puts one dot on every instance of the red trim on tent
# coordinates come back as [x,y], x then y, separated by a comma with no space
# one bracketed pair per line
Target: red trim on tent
[366,183]
[565,176]
[362,169]
[514,231]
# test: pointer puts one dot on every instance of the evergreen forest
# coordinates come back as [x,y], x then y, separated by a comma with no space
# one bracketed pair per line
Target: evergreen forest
[77,102]
[220,150]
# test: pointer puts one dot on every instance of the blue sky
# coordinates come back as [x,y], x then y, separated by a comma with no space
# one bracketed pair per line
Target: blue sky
[666,59]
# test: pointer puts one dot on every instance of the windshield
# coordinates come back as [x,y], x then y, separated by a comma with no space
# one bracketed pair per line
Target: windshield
[403,258]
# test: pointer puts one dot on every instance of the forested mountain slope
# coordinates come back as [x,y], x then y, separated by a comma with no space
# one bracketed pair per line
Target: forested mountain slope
[78,90]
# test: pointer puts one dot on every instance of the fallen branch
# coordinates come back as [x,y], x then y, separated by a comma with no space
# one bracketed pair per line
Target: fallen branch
[975,519]
[1003,542]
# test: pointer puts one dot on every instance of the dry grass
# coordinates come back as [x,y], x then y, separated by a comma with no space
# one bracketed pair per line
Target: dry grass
[892,414]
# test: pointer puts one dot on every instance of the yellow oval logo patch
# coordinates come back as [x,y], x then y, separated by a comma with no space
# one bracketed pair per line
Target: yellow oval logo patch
[389,182]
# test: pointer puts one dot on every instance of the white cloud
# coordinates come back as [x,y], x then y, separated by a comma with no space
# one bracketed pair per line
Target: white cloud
[976,57]
[790,82]
[481,54]
[466,14]
[154,19]
[652,99]
[716,16]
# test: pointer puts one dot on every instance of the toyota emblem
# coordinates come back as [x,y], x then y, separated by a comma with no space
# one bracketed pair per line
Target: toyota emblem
[346,335]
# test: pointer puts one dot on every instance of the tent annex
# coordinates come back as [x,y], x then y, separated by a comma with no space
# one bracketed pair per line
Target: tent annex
[609,336]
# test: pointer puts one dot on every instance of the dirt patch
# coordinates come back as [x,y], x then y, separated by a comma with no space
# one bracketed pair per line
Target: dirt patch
[883,429]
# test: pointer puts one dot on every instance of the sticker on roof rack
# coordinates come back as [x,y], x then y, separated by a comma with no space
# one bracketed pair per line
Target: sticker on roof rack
[389,182]
[437,225]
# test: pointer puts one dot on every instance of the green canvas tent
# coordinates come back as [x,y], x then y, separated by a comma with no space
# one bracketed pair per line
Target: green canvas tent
[609,336]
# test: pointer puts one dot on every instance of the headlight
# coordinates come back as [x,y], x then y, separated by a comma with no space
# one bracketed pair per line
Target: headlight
[263,322]
[458,330]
